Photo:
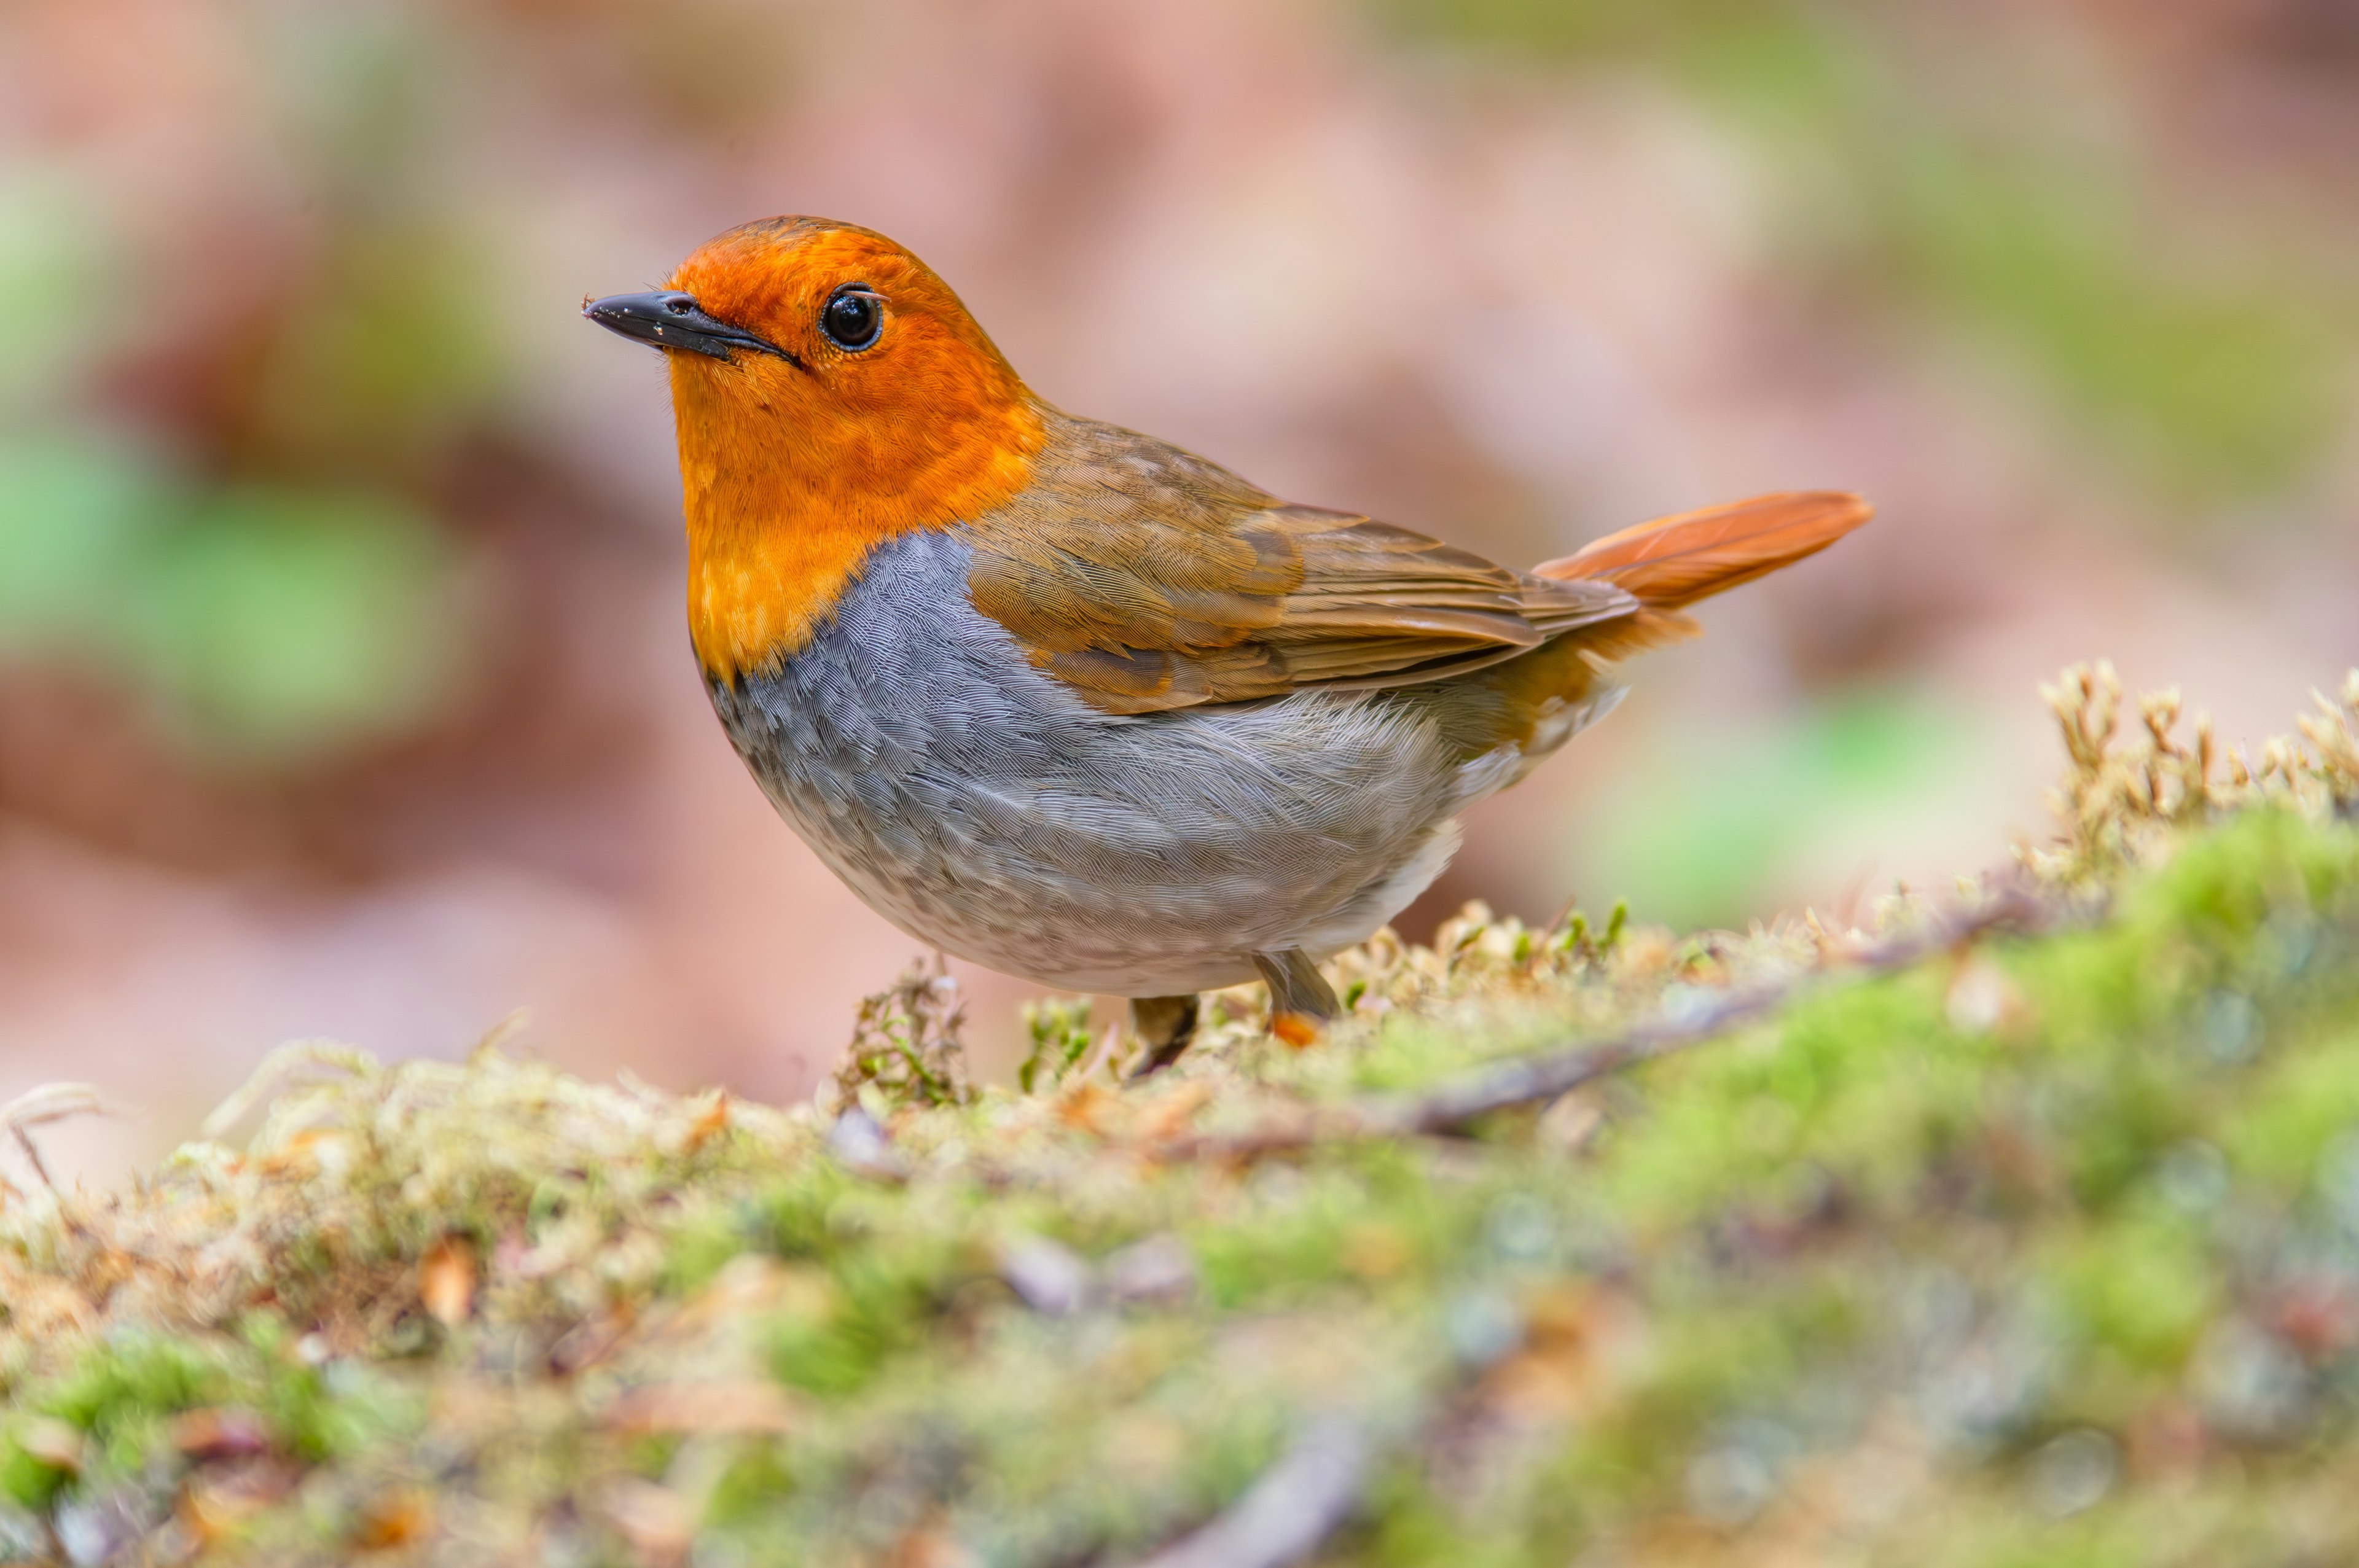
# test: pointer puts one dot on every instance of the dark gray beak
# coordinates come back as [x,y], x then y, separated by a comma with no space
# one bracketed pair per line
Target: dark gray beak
[670,320]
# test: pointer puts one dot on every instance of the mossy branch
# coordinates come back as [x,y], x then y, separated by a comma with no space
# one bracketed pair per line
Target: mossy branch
[2044,1246]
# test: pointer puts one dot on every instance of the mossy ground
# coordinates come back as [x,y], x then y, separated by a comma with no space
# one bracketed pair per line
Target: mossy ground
[2042,1249]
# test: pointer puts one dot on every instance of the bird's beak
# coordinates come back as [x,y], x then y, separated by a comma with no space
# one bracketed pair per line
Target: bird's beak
[670,320]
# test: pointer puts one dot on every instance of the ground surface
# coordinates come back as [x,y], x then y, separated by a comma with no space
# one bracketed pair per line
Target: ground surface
[2023,1227]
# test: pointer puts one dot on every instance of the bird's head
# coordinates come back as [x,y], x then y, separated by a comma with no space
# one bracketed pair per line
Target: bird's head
[830,392]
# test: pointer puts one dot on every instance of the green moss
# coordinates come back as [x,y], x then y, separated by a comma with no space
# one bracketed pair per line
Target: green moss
[28,1479]
[132,1378]
[2143,1289]
[2052,1246]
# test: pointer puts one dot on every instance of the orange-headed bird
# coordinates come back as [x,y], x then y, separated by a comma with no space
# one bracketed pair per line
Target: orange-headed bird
[1067,701]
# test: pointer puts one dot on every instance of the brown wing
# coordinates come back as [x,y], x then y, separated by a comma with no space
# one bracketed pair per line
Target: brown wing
[1149,579]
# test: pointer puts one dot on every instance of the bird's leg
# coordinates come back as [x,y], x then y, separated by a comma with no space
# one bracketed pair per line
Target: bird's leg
[1301,1000]
[1164,1024]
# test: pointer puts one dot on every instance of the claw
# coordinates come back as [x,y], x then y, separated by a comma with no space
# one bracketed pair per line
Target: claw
[1301,1000]
[1164,1024]
[1297,1029]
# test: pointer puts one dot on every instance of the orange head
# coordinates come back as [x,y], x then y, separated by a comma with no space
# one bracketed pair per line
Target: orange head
[830,392]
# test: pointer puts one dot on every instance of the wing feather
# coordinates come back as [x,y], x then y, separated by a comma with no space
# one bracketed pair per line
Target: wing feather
[1672,562]
[1147,578]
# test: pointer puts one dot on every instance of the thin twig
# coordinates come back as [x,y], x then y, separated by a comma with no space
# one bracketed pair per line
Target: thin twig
[47,1103]
[1546,1075]
[1297,1504]
[271,1077]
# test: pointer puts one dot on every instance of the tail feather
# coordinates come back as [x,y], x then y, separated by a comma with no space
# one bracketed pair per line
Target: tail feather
[1552,690]
[1674,561]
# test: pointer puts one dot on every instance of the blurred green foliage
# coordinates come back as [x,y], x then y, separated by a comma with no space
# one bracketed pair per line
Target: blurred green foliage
[1727,808]
[2215,382]
[386,362]
[287,594]
[1958,182]
[260,623]
[55,260]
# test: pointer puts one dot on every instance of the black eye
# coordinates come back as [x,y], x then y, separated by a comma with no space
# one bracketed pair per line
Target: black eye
[852,317]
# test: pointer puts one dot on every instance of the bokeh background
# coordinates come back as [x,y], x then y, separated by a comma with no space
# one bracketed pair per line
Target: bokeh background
[344,686]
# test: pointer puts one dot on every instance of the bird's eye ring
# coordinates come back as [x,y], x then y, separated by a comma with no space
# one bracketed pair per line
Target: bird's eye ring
[852,317]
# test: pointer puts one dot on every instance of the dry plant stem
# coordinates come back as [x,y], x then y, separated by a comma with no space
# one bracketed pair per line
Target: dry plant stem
[274,1076]
[42,1105]
[1546,1075]
[2116,799]
[1283,1516]
[907,1038]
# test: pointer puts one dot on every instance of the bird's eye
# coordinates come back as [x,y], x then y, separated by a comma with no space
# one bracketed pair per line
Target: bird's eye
[852,318]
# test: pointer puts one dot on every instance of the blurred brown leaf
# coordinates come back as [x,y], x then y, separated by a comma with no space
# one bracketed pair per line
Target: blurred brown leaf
[746,1409]
[219,1433]
[446,1281]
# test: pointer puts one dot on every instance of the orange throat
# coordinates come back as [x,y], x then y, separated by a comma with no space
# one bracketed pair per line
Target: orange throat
[781,513]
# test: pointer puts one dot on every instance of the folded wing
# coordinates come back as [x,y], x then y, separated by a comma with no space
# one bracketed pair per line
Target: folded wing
[1148,580]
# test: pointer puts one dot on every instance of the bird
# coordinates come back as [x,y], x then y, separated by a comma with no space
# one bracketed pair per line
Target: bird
[1078,705]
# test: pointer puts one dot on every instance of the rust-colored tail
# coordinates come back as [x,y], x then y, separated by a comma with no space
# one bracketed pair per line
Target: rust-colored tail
[1552,690]
[1672,562]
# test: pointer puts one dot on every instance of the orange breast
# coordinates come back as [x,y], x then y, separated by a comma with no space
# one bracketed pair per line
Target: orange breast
[780,514]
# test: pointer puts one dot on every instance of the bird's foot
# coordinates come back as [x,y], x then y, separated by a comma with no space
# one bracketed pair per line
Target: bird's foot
[1164,1025]
[1302,1002]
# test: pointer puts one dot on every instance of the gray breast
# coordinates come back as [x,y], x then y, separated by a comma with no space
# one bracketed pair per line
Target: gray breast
[986,809]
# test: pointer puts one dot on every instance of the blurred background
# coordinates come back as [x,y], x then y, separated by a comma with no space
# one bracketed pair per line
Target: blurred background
[344,684]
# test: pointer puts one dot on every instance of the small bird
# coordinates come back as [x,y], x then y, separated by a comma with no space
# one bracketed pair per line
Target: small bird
[1075,704]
